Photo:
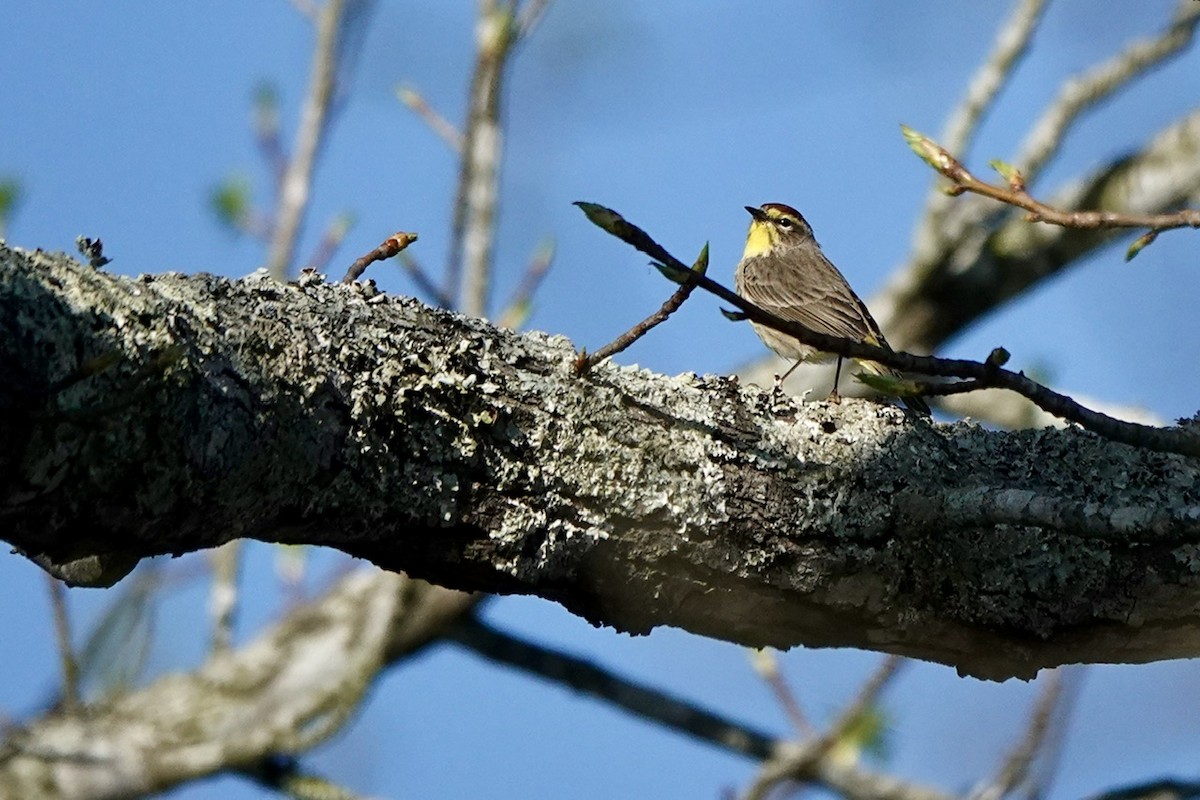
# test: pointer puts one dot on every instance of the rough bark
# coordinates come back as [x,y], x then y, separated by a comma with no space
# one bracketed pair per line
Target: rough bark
[170,413]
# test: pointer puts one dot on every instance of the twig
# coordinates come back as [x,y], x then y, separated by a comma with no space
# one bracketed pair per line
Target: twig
[390,247]
[443,127]
[1084,91]
[1014,194]
[586,361]
[1169,440]
[637,699]
[1016,766]
[517,308]
[997,256]
[473,230]
[66,651]
[297,182]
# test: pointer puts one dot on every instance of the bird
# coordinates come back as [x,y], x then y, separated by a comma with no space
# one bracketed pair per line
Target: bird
[783,271]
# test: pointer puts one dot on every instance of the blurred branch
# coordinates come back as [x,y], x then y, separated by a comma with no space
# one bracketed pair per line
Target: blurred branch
[290,688]
[266,133]
[297,181]
[814,760]
[1166,789]
[979,258]
[595,681]
[1015,770]
[1097,84]
[516,310]
[867,697]
[226,563]
[766,664]
[530,15]
[331,240]
[284,774]
[674,713]
[473,230]
[66,650]
[1010,46]
[306,7]
[443,127]
[10,201]
[432,292]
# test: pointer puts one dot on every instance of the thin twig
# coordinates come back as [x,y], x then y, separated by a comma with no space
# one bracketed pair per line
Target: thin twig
[66,651]
[1096,84]
[390,247]
[586,361]
[297,183]
[1015,194]
[1169,440]
[443,127]
[473,230]
[587,678]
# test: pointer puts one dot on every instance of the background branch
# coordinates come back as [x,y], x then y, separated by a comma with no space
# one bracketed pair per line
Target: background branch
[297,180]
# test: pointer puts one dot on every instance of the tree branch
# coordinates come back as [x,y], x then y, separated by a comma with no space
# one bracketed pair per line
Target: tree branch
[168,414]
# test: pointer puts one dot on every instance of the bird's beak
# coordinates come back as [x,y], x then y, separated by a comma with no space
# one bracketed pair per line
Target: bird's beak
[757,213]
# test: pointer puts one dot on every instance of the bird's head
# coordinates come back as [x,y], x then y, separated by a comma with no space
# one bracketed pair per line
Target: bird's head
[774,226]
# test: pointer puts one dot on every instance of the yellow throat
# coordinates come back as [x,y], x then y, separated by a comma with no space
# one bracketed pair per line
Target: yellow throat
[760,240]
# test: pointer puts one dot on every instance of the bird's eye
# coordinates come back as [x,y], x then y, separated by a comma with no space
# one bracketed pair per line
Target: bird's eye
[786,223]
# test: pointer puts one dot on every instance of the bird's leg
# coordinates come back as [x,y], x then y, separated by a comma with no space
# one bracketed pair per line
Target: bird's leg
[837,376]
[779,379]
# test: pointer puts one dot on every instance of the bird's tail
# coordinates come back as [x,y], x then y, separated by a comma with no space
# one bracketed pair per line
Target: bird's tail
[911,402]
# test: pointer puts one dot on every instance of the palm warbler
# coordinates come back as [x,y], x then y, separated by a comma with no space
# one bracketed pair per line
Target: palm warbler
[783,271]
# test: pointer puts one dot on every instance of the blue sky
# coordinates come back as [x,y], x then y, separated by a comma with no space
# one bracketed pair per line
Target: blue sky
[118,125]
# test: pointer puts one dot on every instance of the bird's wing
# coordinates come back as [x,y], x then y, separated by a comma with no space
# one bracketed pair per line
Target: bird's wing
[822,301]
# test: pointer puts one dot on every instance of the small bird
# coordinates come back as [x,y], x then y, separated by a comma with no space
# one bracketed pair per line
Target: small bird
[783,271]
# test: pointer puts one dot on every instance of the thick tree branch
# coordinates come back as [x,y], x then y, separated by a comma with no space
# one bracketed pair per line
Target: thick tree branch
[167,414]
